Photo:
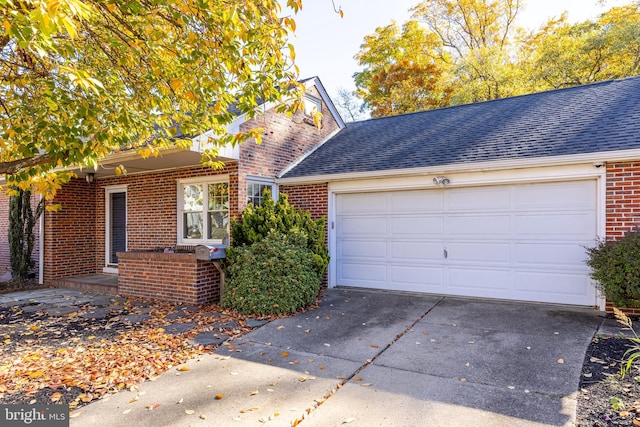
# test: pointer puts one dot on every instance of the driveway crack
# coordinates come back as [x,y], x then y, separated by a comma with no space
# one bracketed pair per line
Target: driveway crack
[367,362]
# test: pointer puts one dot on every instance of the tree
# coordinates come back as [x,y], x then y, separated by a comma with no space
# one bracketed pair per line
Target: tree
[563,54]
[480,55]
[83,78]
[350,107]
[403,71]
[22,220]
[477,35]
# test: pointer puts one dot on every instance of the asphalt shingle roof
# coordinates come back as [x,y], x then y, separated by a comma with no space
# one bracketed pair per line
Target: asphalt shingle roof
[599,117]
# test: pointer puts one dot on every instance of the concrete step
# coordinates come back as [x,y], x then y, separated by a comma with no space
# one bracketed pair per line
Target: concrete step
[106,284]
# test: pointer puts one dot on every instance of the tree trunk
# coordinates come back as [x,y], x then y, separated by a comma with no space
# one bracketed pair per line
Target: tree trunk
[22,221]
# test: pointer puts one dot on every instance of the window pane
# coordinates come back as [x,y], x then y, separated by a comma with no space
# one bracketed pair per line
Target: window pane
[192,225]
[219,196]
[193,197]
[218,225]
[255,193]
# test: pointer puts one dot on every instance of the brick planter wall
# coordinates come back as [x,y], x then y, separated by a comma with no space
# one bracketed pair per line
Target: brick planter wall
[177,278]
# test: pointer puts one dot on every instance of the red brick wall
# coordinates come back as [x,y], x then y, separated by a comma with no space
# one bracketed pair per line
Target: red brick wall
[311,197]
[622,206]
[152,207]
[179,278]
[70,234]
[623,198]
[285,139]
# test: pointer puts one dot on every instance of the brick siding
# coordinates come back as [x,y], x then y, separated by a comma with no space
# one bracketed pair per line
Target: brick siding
[70,234]
[152,219]
[623,199]
[285,139]
[309,197]
[622,206]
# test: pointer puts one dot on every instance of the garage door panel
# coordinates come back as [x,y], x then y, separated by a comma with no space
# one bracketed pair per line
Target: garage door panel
[571,226]
[479,252]
[495,226]
[416,201]
[354,272]
[567,288]
[366,203]
[417,251]
[425,277]
[417,226]
[548,254]
[555,196]
[478,199]
[362,226]
[372,249]
[478,279]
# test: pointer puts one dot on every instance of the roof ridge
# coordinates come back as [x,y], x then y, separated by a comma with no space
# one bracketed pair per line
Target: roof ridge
[543,92]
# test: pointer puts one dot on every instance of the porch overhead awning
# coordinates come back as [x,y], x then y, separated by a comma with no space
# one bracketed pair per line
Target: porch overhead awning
[170,158]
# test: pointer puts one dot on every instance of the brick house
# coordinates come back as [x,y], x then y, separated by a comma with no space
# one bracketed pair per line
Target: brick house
[495,199]
[113,230]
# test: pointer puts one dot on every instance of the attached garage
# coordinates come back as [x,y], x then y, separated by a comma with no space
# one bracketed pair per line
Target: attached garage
[493,199]
[520,242]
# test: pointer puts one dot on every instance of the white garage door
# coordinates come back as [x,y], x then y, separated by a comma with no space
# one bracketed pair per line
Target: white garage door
[522,242]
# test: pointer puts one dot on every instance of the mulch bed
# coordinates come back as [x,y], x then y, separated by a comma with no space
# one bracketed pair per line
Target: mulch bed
[604,397]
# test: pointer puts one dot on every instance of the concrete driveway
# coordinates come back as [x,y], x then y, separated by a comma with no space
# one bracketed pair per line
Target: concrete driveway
[371,358]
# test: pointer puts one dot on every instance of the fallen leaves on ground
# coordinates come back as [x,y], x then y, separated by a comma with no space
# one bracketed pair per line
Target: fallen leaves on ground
[74,360]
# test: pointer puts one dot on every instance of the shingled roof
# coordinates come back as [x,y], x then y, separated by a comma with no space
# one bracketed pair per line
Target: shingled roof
[598,117]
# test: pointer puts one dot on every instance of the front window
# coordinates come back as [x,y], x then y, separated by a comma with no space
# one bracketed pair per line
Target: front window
[204,212]
[256,188]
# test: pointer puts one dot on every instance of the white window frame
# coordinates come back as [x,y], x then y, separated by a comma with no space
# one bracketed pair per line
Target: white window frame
[312,103]
[205,181]
[262,181]
[108,266]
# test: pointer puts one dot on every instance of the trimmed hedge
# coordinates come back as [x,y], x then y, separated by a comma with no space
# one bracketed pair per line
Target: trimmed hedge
[275,275]
[277,259]
[281,217]
[616,267]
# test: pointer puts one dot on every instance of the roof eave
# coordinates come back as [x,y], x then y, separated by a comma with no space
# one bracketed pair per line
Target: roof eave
[598,158]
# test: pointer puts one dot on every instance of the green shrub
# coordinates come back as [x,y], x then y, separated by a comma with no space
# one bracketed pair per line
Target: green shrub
[274,275]
[616,267]
[281,217]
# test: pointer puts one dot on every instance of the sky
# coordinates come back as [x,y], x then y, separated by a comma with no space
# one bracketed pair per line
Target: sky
[325,44]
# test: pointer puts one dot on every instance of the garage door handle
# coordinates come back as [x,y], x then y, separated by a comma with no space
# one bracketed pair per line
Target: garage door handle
[446,254]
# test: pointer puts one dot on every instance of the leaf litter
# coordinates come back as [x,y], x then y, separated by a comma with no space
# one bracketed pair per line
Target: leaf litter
[75,359]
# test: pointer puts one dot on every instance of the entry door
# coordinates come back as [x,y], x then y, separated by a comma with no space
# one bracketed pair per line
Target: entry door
[116,226]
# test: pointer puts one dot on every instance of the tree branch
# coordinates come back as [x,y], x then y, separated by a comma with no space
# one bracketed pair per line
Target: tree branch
[14,166]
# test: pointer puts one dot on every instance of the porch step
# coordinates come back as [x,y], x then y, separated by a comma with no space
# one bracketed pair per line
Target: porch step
[99,283]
